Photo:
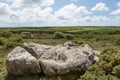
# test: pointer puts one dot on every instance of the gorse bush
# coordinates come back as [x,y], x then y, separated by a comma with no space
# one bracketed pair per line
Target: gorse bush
[5,34]
[58,35]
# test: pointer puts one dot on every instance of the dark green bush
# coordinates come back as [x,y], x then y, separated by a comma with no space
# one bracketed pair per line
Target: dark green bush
[5,34]
[58,35]
[69,36]
[18,40]
[15,39]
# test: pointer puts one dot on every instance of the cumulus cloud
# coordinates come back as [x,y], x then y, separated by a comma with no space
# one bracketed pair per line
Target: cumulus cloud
[94,18]
[70,12]
[100,18]
[31,3]
[100,7]
[116,12]
[5,9]
[33,14]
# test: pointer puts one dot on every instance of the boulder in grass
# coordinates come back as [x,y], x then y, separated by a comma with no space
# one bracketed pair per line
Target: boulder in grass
[19,61]
[52,60]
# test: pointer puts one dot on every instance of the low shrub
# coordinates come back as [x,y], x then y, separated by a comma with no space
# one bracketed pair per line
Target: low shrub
[89,36]
[58,35]
[18,40]
[116,41]
[11,45]
[26,35]
[79,42]
[69,36]
[1,42]
[108,68]
[116,71]
[5,34]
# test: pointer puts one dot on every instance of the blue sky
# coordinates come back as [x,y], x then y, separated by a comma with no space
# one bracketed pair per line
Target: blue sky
[17,13]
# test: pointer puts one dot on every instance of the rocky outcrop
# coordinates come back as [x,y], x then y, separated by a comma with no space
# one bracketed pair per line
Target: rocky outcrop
[54,60]
[19,61]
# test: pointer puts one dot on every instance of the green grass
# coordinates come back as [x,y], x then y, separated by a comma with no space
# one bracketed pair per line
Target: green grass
[99,38]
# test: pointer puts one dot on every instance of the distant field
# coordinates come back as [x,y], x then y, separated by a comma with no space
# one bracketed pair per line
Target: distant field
[99,30]
[104,39]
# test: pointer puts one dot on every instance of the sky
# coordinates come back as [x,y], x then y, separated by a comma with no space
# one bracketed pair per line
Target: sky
[40,13]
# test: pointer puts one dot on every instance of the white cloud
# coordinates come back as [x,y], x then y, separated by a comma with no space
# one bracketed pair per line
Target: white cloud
[100,18]
[116,12]
[31,3]
[5,9]
[94,18]
[70,12]
[27,17]
[33,14]
[118,4]
[81,11]
[30,13]
[100,7]
[117,17]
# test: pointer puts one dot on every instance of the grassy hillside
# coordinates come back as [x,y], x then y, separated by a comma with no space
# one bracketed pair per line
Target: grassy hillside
[106,40]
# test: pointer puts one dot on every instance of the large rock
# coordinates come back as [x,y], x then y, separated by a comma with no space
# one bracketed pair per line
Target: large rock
[36,49]
[20,61]
[53,60]
[61,60]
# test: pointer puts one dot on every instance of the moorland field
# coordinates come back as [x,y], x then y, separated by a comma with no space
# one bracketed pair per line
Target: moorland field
[104,39]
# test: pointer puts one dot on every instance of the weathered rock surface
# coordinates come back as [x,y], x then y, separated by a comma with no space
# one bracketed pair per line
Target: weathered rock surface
[54,60]
[36,49]
[20,61]
[62,60]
